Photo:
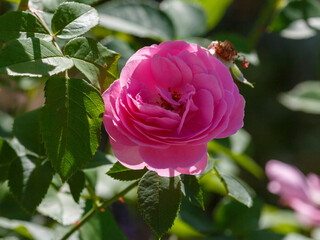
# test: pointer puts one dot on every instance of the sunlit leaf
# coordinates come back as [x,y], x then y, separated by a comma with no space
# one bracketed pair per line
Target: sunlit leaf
[96,62]
[73,19]
[21,25]
[71,121]
[32,57]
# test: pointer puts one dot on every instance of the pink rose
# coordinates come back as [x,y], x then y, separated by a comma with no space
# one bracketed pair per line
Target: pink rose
[300,193]
[170,100]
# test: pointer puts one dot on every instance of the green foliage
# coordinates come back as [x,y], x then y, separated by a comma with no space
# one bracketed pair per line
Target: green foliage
[192,26]
[159,201]
[96,62]
[139,18]
[32,57]
[102,227]
[76,184]
[303,97]
[26,129]
[192,190]
[234,188]
[70,123]
[120,172]
[60,206]
[7,153]
[73,19]
[29,180]
[15,25]
[240,220]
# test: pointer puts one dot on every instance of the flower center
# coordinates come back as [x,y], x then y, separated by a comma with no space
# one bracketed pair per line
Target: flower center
[166,104]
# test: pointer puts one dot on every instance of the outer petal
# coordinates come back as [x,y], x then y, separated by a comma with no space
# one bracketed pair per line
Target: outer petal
[183,156]
[128,155]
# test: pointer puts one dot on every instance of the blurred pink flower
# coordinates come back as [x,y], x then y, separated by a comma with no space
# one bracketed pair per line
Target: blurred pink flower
[300,193]
[170,100]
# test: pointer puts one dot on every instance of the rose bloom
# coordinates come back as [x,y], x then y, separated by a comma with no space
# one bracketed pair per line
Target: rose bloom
[300,193]
[170,100]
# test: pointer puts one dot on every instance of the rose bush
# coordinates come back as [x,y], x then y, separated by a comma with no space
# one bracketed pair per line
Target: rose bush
[301,193]
[170,100]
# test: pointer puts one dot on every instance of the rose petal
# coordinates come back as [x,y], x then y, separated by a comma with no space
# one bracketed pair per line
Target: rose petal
[174,156]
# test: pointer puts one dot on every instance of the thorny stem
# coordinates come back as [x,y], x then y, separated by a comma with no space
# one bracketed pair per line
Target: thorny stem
[97,209]
[23,5]
[263,21]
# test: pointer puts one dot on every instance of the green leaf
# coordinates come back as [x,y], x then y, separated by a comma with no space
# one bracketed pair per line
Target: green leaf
[266,234]
[183,230]
[196,217]
[26,129]
[21,25]
[120,172]
[6,122]
[240,158]
[70,123]
[29,180]
[32,57]
[7,153]
[52,5]
[95,61]
[294,10]
[215,9]
[159,200]
[192,190]
[235,217]
[234,189]
[102,227]
[61,207]
[100,159]
[7,156]
[194,25]
[76,184]
[303,97]
[27,229]
[73,19]
[138,18]
[120,46]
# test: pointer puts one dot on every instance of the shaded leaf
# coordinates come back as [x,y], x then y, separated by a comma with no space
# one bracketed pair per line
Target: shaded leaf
[26,129]
[159,201]
[7,153]
[70,122]
[214,10]
[303,97]
[193,25]
[21,25]
[76,184]
[120,172]
[73,19]
[32,57]
[102,227]
[234,189]
[100,159]
[96,62]
[235,217]
[192,190]
[138,18]
[29,180]
[61,207]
